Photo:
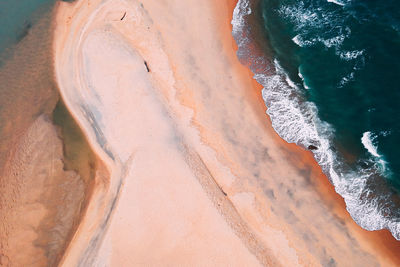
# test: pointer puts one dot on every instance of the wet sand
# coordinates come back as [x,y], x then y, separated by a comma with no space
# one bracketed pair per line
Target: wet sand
[197,174]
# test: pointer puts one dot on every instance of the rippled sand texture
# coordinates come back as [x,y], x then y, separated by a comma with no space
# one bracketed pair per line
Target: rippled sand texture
[38,220]
[197,175]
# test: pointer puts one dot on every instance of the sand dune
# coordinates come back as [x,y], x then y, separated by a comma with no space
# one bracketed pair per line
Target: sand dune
[197,175]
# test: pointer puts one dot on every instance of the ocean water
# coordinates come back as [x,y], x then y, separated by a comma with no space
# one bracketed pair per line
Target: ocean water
[329,70]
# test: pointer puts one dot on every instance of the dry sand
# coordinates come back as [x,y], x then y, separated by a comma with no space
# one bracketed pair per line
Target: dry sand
[197,175]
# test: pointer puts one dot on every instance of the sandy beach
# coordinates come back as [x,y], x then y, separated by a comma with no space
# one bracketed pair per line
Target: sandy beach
[194,174]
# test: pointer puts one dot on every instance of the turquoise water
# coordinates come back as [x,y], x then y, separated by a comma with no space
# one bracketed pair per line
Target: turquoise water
[330,77]
[16,19]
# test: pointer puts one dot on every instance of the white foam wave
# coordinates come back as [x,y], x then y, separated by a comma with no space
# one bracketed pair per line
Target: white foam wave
[238,22]
[350,55]
[310,20]
[290,82]
[297,121]
[302,78]
[298,39]
[368,140]
[302,16]
[241,10]
[336,2]
[346,79]
[334,41]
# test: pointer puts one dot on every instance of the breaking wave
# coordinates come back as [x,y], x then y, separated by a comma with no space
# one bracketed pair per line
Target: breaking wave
[367,140]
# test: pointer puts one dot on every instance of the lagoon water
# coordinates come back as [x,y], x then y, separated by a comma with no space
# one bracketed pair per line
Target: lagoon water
[26,88]
[17,18]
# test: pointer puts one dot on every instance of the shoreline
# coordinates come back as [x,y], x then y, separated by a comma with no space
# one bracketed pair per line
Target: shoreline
[330,155]
[327,190]
[245,196]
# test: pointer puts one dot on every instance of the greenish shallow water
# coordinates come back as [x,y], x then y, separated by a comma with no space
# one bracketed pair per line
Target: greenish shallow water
[17,18]
[27,88]
[78,154]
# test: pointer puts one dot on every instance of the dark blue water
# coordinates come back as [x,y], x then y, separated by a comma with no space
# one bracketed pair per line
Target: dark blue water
[348,56]
[332,87]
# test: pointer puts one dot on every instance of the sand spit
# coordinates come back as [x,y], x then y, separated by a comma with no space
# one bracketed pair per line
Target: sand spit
[197,175]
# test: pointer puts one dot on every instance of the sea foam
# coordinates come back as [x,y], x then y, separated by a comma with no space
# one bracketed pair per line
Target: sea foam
[336,2]
[367,140]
